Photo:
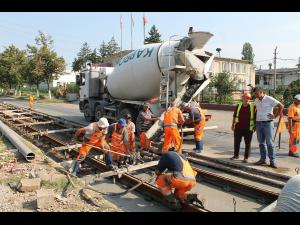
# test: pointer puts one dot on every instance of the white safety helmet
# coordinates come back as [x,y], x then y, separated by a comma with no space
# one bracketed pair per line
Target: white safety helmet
[103,122]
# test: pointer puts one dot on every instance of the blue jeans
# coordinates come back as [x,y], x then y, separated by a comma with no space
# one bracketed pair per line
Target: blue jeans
[265,132]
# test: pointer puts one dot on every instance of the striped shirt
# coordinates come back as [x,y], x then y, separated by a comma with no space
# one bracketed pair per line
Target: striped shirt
[143,125]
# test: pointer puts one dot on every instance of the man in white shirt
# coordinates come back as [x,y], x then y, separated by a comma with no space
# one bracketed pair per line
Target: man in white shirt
[265,124]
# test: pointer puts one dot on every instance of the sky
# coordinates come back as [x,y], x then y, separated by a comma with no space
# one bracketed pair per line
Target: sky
[69,30]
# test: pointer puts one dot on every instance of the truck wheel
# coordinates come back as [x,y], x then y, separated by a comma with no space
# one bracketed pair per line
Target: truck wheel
[98,112]
[87,113]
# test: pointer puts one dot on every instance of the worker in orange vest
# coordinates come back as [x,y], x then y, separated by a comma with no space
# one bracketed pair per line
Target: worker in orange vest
[294,126]
[174,172]
[172,118]
[31,102]
[117,137]
[197,119]
[94,135]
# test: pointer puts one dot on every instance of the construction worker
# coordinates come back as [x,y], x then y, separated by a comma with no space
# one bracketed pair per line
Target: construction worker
[265,124]
[31,102]
[94,135]
[131,130]
[174,172]
[294,126]
[144,121]
[172,118]
[117,137]
[197,119]
[243,125]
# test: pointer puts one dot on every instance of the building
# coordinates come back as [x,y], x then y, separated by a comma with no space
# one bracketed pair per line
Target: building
[284,76]
[67,77]
[243,70]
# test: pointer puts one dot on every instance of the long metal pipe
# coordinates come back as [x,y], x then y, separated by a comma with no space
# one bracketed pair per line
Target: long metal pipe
[13,137]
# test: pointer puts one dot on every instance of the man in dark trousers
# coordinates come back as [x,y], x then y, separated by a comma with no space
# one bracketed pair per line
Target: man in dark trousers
[243,125]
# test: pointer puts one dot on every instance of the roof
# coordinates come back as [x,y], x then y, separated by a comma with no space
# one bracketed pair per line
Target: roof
[283,71]
[217,58]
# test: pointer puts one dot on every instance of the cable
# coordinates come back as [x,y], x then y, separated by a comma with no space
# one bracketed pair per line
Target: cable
[263,60]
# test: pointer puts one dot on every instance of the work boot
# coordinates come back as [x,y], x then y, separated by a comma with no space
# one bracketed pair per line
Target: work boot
[273,165]
[260,162]
[199,147]
[296,155]
[234,157]
[245,160]
[173,203]
[195,199]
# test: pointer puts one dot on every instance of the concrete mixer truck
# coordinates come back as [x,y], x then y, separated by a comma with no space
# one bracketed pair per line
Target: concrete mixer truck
[176,69]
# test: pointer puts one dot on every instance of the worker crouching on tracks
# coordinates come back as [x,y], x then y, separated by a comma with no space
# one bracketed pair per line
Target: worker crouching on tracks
[174,172]
[243,125]
[294,126]
[172,118]
[197,118]
[94,135]
[117,137]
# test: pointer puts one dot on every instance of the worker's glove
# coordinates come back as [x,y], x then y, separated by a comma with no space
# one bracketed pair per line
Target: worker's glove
[157,172]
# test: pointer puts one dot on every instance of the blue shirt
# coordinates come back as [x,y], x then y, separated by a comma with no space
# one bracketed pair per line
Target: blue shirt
[171,161]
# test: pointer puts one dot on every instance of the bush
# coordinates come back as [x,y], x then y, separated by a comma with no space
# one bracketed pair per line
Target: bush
[72,88]
[290,92]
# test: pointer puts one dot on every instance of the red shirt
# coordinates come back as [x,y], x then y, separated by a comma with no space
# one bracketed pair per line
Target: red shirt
[244,117]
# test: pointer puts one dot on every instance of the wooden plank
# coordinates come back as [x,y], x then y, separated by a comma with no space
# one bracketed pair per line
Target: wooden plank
[127,170]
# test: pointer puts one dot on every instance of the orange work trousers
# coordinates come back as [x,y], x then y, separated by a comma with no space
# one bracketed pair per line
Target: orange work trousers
[30,105]
[121,149]
[85,149]
[294,138]
[171,136]
[198,131]
[144,141]
[168,182]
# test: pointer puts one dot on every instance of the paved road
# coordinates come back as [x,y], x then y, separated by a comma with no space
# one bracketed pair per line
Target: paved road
[217,143]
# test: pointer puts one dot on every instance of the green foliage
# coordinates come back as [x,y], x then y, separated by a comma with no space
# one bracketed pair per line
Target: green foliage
[72,88]
[57,185]
[290,92]
[12,65]
[154,36]
[224,84]
[247,52]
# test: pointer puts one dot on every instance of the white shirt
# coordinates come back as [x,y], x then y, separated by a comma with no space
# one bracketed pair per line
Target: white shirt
[265,107]
[92,128]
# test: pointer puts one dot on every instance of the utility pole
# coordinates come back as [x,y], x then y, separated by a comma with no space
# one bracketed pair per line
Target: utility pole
[275,58]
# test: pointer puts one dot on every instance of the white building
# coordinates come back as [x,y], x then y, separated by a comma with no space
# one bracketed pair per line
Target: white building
[284,76]
[67,77]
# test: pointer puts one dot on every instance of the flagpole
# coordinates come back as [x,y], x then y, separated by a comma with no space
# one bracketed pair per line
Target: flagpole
[131,30]
[144,27]
[121,26]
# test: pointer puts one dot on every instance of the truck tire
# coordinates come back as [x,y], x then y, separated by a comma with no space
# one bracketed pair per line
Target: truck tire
[87,113]
[98,112]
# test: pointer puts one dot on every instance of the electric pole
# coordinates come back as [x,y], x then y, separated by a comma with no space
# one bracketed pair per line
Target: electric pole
[275,58]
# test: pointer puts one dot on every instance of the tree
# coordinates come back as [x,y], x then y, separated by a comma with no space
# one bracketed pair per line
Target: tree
[224,84]
[290,92]
[218,50]
[247,52]
[112,46]
[82,56]
[103,51]
[298,65]
[154,36]
[12,64]
[47,64]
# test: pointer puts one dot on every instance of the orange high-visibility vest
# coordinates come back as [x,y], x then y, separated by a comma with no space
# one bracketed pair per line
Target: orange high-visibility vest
[187,172]
[117,139]
[171,117]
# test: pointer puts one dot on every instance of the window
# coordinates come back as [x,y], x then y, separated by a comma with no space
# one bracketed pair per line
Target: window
[243,68]
[232,67]
[237,68]
[256,80]
[266,80]
[225,67]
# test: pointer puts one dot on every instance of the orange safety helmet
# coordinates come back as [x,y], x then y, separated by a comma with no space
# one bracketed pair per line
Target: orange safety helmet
[247,95]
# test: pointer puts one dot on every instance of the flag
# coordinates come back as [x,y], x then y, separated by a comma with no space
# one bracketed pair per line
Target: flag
[281,124]
[132,22]
[145,20]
